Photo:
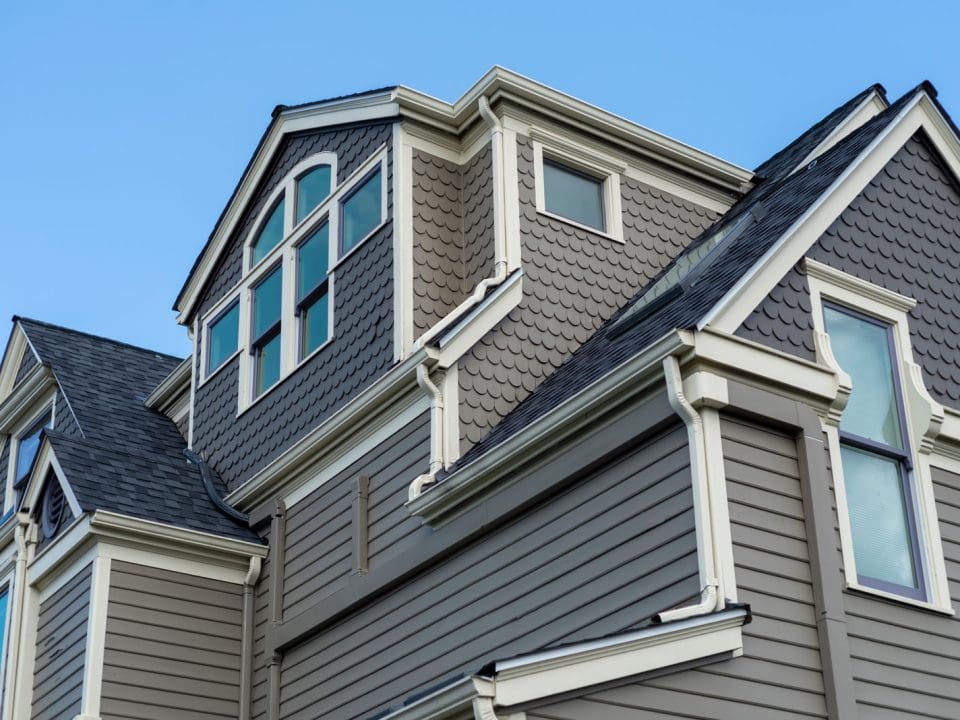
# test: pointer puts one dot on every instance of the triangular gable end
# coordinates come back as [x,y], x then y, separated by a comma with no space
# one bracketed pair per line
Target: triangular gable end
[920,113]
[18,352]
[43,465]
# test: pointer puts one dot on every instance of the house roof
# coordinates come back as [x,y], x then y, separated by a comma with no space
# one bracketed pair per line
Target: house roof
[764,215]
[118,454]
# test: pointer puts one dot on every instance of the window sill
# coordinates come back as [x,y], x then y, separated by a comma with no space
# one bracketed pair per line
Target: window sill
[206,378]
[580,226]
[893,597]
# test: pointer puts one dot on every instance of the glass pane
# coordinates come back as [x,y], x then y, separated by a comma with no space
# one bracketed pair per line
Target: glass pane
[361,212]
[863,351]
[223,337]
[270,234]
[312,189]
[27,447]
[4,602]
[882,539]
[268,364]
[266,303]
[315,325]
[573,195]
[313,257]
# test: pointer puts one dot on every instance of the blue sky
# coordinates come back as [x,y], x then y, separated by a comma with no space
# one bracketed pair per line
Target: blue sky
[125,125]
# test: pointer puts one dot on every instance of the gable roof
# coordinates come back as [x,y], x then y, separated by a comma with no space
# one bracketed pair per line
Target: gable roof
[121,455]
[754,225]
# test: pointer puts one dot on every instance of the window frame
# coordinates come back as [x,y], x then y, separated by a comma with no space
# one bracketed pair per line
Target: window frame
[285,255]
[7,586]
[921,417]
[31,418]
[347,196]
[903,457]
[301,305]
[211,319]
[591,165]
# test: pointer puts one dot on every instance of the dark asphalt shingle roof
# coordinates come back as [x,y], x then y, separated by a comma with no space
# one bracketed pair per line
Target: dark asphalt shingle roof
[776,205]
[124,457]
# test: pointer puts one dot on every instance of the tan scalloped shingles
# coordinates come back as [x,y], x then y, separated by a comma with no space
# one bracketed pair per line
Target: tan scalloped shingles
[573,281]
[901,232]
[452,231]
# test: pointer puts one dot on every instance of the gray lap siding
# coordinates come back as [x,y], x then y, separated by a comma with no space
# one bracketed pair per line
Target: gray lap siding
[600,557]
[362,349]
[61,647]
[779,676]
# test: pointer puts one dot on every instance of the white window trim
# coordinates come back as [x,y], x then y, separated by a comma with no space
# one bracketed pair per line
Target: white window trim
[47,403]
[208,319]
[6,585]
[284,255]
[571,155]
[923,414]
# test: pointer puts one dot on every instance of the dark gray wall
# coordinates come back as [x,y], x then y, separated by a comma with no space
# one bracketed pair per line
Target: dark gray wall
[779,676]
[903,233]
[363,345]
[453,244]
[61,645]
[172,646]
[601,556]
[573,281]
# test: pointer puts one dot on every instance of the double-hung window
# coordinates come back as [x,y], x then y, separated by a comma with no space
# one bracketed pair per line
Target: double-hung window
[313,291]
[265,331]
[876,457]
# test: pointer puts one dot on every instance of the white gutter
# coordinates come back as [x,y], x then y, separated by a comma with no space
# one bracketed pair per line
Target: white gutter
[436,431]
[499,230]
[711,597]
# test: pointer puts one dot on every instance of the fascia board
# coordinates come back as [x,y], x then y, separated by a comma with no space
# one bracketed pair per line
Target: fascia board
[380,106]
[290,467]
[621,383]
[740,300]
[872,105]
[554,672]
[173,385]
[31,389]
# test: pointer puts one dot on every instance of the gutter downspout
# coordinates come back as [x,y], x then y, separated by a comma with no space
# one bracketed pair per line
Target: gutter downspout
[499,229]
[436,431]
[16,629]
[711,599]
[246,667]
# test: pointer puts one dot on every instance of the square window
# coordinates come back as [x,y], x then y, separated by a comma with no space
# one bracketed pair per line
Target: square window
[573,194]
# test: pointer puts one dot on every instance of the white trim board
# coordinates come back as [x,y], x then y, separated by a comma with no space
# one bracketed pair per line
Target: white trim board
[919,113]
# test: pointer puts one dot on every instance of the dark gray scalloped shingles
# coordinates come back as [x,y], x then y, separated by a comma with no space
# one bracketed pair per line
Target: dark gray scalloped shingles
[903,233]
[363,327]
[573,281]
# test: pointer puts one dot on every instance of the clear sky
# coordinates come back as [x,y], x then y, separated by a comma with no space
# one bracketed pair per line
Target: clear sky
[124,126]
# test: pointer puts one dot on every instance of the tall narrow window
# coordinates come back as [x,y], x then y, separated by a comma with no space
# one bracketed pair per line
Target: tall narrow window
[265,341]
[313,305]
[573,194]
[4,622]
[28,442]
[875,455]
[222,337]
[270,234]
[361,212]
[312,189]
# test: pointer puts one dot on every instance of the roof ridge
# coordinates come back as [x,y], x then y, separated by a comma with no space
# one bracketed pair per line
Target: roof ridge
[94,336]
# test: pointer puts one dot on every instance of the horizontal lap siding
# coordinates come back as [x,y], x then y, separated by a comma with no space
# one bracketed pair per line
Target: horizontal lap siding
[906,661]
[779,676]
[61,645]
[599,558]
[172,646]
[319,538]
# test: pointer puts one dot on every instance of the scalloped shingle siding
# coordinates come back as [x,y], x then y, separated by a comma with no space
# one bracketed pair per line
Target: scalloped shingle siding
[901,232]
[573,281]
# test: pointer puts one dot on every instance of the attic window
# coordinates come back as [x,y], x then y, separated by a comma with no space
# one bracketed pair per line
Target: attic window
[361,212]
[573,194]
[312,189]
[28,442]
[223,337]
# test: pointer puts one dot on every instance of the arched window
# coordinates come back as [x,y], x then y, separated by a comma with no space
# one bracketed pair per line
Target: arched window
[313,187]
[270,234]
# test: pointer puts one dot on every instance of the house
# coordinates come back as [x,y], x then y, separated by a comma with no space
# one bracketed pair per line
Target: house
[512,408]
